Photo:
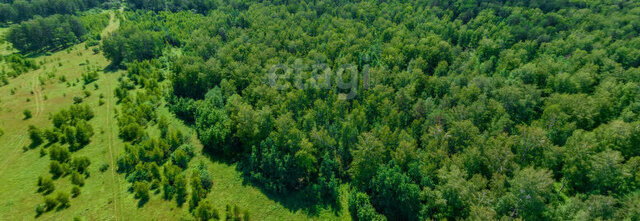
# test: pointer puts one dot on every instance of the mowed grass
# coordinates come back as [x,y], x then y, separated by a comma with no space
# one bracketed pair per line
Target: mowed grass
[105,195]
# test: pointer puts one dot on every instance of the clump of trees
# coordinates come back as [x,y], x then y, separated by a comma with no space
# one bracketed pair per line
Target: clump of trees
[50,33]
[71,127]
[131,44]
[14,65]
[71,132]
[54,32]
[21,10]
[150,162]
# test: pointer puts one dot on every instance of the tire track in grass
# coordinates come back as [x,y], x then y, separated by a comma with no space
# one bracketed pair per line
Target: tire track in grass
[114,177]
[116,193]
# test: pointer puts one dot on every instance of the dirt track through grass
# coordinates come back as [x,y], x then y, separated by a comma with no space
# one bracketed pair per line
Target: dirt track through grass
[113,25]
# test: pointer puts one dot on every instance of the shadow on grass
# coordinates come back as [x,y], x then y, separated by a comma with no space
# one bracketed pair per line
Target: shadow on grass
[293,201]
[142,201]
[62,207]
[111,68]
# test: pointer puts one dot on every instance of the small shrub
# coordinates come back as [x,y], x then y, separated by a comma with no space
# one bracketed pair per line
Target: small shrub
[45,185]
[56,169]
[27,114]
[36,136]
[77,179]
[77,100]
[75,191]
[49,203]
[104,167]
[39,209]
[63,199]
[141,191]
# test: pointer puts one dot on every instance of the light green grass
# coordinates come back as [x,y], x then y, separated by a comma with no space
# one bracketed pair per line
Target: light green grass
[105,195]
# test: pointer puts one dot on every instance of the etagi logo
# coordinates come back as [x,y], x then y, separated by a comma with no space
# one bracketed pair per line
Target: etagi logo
[346,79]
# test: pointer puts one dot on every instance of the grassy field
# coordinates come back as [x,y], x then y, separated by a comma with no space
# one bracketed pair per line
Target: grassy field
[105,195]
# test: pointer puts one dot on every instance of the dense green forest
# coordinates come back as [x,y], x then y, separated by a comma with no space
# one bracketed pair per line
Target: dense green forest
[21,10]
[425,109]
[55,32]
[472,109]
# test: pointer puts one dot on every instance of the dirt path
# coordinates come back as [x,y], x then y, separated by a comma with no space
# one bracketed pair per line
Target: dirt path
[37,92]
[113,25]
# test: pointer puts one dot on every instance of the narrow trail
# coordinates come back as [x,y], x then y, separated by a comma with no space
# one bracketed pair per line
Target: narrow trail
[116,192]
[113,25]
[37,92]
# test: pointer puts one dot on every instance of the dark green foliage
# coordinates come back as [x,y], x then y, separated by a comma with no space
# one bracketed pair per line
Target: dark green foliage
[18,64]
[39,210]
[16,11]
[131,132]
[368,156]
[141,191]
[205,211]
[36,136]
[77,179]
[235,213]
[50,203]
[59,153]
[478,110]
[71,126]
[63,199]
[80,164]
[171,173]
[45,185]
[395,194]
[75,191]
[198,192]
[27,114]
[56,169]
[50,33]
[180,158]
[530,191]
[361,209]
[77,99]
[89,77]
[181,190]
[132,44]
[104,167]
